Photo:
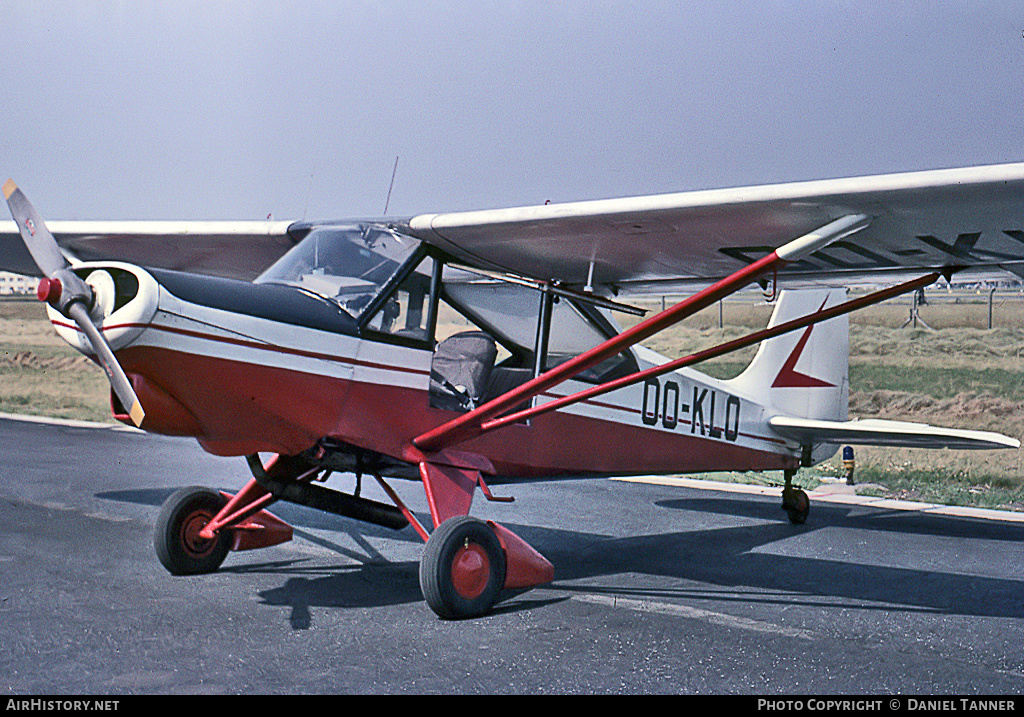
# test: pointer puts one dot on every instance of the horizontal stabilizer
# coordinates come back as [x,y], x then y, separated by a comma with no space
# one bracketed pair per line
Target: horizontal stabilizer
[877,432]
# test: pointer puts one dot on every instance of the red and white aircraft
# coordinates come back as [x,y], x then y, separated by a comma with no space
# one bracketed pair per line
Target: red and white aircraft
[449,348]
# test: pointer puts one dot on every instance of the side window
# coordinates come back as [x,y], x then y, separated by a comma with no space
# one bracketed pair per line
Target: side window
[466,370]
[451,321]
[512,312]
[574,330]
[406,313]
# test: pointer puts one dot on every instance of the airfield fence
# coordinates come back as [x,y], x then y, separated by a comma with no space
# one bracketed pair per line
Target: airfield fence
[974,309]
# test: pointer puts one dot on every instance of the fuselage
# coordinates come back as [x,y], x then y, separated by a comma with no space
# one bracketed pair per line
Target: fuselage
[247,368]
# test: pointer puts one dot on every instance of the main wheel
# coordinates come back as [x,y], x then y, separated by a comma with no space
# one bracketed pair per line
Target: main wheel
[176,539]
[463,569]
[796,504]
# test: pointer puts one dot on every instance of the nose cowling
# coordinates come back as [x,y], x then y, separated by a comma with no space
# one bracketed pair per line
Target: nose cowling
[125,299]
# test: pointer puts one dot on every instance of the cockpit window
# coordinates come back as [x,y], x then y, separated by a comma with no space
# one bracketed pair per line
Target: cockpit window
[344,264]
[510,312]
[406,312]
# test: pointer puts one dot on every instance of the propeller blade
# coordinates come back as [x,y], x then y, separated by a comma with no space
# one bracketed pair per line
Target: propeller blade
[115,374]
[38,239]
[75,298]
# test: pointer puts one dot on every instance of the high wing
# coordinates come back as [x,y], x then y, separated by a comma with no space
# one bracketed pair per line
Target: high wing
[969,218]
[239,250]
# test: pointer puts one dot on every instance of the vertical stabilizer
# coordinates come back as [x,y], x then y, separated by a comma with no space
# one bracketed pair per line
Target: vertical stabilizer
[803,373]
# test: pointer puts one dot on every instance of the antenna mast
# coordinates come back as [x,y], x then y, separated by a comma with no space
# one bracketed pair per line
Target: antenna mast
[391,186]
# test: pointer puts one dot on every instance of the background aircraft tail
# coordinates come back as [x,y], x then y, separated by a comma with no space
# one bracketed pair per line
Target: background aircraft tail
[804,373]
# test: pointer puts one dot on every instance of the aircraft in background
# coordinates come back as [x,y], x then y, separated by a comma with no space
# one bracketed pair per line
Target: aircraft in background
[471,348]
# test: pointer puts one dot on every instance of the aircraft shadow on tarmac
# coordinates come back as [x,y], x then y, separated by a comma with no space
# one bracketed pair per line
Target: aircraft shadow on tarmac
[372,581]
[726,557]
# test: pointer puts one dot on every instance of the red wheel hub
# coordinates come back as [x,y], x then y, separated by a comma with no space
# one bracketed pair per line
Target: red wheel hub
[190,529]
[471,570]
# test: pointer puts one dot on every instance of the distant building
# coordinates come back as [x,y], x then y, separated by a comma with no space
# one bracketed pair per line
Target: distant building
[16,283]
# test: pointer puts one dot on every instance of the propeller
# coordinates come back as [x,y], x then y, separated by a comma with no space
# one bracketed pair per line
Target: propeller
[68,293]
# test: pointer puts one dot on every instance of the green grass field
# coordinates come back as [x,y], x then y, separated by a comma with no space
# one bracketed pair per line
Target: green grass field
[959,375]
[42,375]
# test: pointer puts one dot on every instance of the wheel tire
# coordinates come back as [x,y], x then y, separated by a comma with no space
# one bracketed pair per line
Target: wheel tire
[797,506]
[176,539]
[463,569]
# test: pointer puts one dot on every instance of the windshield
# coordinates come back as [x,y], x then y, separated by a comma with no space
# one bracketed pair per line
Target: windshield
[347,265]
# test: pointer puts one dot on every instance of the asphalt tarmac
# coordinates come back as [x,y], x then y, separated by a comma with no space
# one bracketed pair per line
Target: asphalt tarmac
[658,589]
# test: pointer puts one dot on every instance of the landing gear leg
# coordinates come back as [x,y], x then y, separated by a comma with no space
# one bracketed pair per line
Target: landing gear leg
[794,500]
[197,527]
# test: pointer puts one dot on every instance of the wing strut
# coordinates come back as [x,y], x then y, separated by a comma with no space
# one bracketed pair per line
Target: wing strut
[470,424]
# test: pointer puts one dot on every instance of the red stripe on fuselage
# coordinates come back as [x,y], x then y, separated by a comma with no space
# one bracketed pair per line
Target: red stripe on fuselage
[259,345]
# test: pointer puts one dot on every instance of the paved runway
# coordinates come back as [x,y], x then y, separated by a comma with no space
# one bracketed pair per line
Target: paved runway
[659,589]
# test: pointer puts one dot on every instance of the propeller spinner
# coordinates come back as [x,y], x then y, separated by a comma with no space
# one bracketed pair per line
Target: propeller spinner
[68,293]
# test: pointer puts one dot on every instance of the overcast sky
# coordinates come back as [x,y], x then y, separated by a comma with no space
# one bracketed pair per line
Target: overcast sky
[235,110]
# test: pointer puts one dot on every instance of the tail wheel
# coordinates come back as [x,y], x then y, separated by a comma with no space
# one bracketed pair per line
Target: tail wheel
[177,541]
[796,504]
[463,569]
